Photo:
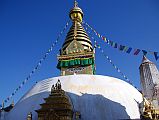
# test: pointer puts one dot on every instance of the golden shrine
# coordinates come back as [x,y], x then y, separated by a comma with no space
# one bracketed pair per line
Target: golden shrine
[148,112]
[57,106]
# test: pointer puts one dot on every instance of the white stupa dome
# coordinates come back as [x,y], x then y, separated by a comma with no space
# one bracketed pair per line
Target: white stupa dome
[96,97]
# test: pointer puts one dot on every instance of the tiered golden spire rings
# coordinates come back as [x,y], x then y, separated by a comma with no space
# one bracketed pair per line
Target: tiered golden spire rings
[77,31]
[76,13]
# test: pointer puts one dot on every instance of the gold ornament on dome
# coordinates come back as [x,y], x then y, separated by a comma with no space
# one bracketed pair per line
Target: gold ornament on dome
[57,106]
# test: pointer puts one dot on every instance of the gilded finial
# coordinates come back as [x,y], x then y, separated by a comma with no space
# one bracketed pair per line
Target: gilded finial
[75,3]
[76,13]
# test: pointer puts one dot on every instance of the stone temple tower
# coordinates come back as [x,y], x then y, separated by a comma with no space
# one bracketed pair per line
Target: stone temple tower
[77,54]
[149,78]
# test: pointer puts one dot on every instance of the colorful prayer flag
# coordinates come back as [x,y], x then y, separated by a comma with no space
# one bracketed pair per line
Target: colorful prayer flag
[129,50]
[136,51]
[121,47]
[114,45]
[98,35]
[104,38]
[111,42]
[125,49]
[144,52]
[156,55]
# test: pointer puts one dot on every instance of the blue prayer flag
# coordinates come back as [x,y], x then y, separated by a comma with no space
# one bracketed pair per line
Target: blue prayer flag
[129,50]
[114,45]
[156,55]
[121,47]
[144,52]
[111,42]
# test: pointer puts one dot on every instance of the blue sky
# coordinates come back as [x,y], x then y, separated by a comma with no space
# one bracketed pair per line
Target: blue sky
[29,27]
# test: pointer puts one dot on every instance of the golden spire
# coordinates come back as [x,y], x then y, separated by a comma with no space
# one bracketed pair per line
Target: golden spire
[77,31]
[77,47]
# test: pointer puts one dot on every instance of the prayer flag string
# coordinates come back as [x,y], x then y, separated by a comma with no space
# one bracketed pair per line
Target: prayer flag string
[110,61]
[120,47]
[37,66]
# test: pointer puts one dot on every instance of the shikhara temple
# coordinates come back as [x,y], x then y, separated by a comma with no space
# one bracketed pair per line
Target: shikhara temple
[79,94]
